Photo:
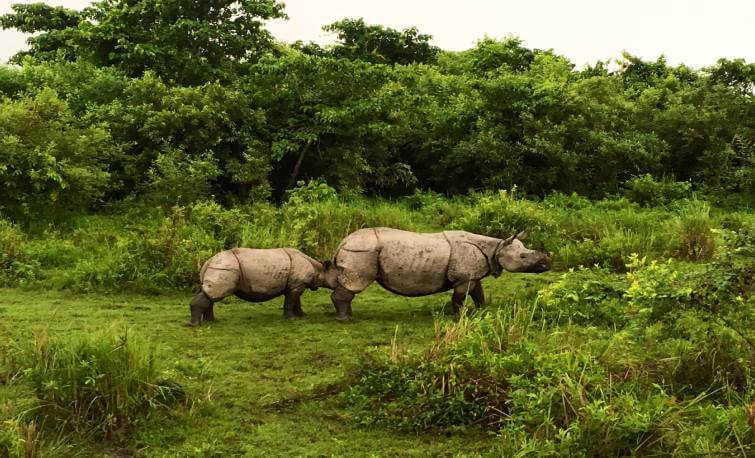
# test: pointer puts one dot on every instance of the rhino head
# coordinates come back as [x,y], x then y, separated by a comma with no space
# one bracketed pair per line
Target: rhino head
[327,275]
[513,256]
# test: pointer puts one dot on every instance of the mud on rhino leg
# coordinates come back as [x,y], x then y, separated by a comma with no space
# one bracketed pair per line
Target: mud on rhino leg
[199,307]
[478,295]
[342,298]
[292,304]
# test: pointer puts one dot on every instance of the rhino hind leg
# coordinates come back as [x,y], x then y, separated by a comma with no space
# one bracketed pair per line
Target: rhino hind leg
[342,298]
[199,307]
[209,314]
[297,308]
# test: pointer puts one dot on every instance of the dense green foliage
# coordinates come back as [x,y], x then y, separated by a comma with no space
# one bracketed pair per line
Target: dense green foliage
[225,112]
[374,43]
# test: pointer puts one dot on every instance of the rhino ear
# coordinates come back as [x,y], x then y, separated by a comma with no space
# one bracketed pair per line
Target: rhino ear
[522,235]
[508,240]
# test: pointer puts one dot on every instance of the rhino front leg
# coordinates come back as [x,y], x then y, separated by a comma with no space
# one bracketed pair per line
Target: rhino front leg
[199,307]
[478,295]
[342,298]
[460,294]
[292,304]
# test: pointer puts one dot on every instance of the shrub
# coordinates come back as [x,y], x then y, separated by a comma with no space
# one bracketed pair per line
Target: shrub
[552,391]
[693,226]
[504,214]
[101,384]
[583,296]
[15,265]
[700,320]
[52,162]
[646,190]
[435,207]
[315,219]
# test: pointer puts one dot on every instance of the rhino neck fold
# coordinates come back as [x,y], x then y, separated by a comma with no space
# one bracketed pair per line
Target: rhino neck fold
[241,269]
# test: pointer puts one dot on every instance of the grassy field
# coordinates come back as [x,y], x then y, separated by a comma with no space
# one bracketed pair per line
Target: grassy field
[258,384]
[640,342]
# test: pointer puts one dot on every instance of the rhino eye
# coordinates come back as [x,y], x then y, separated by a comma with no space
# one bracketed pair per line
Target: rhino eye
[522,256]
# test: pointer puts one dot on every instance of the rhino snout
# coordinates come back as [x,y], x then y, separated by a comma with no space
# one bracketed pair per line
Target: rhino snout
[544,264]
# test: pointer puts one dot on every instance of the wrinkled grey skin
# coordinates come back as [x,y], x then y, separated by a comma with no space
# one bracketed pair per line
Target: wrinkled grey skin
[258,275]
[417,264]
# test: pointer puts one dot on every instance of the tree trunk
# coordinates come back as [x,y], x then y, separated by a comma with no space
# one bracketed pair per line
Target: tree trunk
[295,172]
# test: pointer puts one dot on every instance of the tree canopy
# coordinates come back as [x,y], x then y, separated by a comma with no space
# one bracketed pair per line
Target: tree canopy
[183,41]
[193,100]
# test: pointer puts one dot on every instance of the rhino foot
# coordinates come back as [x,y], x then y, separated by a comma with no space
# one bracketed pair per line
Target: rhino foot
[341,298]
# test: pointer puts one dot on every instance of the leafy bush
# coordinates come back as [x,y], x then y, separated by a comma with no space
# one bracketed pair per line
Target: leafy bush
[583,296]
[504,214]
[692,228]
[15,265]
[646,190]
[652,362]
[100,384]
[161,250]
[554,391]
[315,219]
[52,162]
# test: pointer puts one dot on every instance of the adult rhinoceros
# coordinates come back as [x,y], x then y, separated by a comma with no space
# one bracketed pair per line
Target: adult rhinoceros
[417,264]
[258,275]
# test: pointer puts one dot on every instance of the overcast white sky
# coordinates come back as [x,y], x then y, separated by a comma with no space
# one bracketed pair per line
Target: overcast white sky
[694,32]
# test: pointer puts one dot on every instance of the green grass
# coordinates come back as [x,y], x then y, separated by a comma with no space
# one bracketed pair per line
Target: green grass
[258,385]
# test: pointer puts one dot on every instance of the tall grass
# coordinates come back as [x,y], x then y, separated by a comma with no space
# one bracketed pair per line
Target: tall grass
[97,385]
[147,248]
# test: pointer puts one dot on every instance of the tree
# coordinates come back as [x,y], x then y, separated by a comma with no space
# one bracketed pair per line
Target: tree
[183,41]
[378,44]
[56,29]
[50,161]
[735,73]
[337,119]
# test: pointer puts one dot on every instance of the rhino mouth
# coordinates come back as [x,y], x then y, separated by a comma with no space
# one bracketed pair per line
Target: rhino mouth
[541,267]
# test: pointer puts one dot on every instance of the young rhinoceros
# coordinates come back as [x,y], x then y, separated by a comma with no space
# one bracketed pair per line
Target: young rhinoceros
[415,264]
[258,275]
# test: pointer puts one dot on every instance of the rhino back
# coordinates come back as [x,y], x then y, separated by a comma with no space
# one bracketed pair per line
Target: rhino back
[265,271]
[411,263]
